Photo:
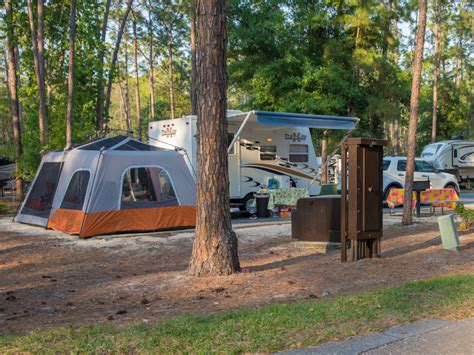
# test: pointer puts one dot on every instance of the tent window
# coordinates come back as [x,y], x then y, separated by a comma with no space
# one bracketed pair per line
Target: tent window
[268,152]
[40,198]
[76,191]
[147,188]
[298,153]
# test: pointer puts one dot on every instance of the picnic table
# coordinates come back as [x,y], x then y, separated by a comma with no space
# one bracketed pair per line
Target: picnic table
[444,198]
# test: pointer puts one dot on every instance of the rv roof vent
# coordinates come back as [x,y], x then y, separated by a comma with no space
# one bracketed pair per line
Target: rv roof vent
[457,138]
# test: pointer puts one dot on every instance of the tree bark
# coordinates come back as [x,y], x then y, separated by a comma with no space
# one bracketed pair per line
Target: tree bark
[127,96]
[436,32]
[37,41]
[114,61]
[100,74]
[414,105]
[324,158]
[14,101]
[194,103]
[70,81]
[171,71]
[137,81]
[151,74]
[215,244]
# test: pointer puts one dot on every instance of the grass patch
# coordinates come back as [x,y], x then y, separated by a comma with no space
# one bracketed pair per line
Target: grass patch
[4,209]
[265,329]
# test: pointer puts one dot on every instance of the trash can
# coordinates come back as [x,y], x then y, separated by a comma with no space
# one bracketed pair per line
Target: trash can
[262,205]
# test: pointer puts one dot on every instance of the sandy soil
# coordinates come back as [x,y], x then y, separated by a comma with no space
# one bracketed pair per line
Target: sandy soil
[51,279]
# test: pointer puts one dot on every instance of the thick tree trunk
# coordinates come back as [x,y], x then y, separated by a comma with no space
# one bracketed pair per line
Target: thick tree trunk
[171,72]
[324,158]
[436,32]
[194,103]
[414,104]
[100,74]
[114,61]
[215,244]
[70,81]
[37,41]
[14,102]
[137,81]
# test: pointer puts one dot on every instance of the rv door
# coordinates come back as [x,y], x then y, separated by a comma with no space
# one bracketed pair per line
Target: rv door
[234,166]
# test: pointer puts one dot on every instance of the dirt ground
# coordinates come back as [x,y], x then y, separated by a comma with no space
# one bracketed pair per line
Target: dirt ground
[49,279]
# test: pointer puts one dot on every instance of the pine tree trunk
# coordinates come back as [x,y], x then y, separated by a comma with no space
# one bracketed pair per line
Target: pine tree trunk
[414,105]
[114,61]
[100,73]
[396,142]
[14,102]
[171,72]
[437,18]
[151,70]
[127,96]
[37,41]
[194,103]
[215,244]
[137,81]
[70,81]
[324,158]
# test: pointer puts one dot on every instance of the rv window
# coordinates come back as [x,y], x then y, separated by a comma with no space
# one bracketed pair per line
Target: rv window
[147,188]
[268,152]
[76,191]
[298,153]
[40,198]
[230,137]
[455,153]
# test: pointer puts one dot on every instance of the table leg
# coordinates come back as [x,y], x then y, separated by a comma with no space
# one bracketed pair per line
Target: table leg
[418,205]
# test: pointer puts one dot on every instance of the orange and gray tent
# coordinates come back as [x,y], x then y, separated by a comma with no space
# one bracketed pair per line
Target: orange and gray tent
[111,185]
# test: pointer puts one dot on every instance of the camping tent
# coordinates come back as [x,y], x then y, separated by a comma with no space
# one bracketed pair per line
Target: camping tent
[111,185]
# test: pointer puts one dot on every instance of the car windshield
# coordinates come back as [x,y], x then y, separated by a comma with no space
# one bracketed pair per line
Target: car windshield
[423,167]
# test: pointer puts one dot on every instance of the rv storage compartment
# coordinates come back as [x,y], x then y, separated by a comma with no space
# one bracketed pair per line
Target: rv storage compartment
[262,205]
[317,219]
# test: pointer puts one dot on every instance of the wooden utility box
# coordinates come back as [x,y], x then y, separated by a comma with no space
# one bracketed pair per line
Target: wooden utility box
[317,219]
[361,197]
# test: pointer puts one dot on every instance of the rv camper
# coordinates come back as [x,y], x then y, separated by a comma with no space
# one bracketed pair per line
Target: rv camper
[454,156]
[262,146]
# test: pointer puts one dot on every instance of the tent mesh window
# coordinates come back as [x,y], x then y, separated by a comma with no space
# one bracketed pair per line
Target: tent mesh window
[40,198]
[76,191]
[147,188]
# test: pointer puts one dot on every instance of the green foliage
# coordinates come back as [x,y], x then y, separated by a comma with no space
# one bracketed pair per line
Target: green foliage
[319,56]
[265,329]
[467,216]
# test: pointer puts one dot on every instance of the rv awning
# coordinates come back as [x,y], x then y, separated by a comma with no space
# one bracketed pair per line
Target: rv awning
[294,119]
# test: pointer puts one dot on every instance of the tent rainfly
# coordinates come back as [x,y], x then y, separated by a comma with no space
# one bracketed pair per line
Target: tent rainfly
[111,185]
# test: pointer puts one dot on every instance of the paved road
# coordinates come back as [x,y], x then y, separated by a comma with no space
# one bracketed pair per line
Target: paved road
[424,337]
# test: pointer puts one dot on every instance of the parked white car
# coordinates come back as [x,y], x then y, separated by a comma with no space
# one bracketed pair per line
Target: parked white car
[394,175]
